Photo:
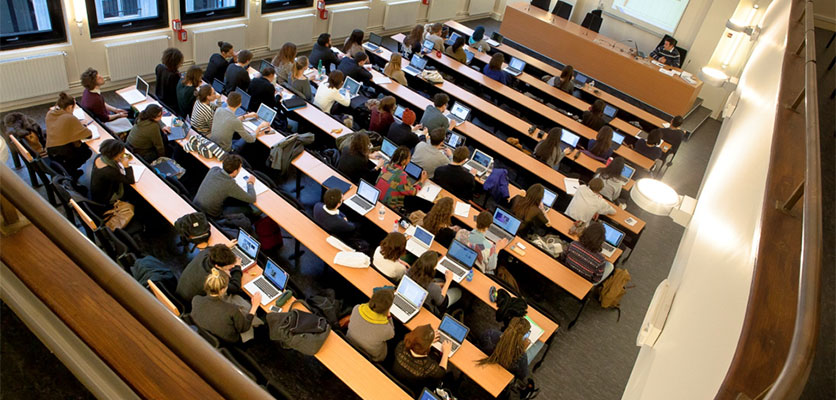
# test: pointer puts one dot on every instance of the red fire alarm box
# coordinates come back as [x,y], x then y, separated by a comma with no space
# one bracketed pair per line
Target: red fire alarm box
[181,33]
[320,7]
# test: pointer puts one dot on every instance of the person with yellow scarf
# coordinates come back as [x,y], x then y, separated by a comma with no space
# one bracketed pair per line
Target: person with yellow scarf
[370,324]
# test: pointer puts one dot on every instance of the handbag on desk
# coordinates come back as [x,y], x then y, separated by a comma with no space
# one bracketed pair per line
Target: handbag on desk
[432,76]
[120,215]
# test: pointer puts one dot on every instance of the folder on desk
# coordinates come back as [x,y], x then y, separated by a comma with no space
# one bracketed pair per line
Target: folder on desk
[572,185]
[534,333]
[336,183]
[429,192]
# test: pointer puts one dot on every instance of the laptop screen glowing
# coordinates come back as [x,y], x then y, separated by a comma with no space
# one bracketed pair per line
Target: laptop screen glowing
[460,111]
[612,236]
[453,328]
[411,291]
[462,253]
[617,138]
[423,236]
[610,111]
[266,114]
[455,140]
[413,170]
[627,172]
[367,191]
[388,147]
[569,138]
[506,221]
[580,78]
[248,244]
[351,86]
[482,158]
[516,64]
[275,274]
[548,198]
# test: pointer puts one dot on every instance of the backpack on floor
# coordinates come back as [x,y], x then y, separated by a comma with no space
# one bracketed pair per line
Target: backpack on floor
[614,289]
[269,233]
[326,305]
[193,228]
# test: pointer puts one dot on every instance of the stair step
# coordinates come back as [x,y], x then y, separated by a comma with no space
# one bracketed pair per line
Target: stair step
[695,119]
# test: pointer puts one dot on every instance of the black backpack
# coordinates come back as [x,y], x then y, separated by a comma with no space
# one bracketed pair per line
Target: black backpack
[193,228]
[508,307]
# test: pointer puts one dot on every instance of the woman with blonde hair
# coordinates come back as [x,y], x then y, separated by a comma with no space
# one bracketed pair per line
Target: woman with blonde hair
[299,83]
[393,69]
[439,221]
[217,313]
[508,348]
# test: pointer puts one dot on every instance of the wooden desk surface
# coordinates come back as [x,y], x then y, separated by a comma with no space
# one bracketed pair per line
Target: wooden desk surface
[525,101]
[511,153]
[554,71]
[602,57]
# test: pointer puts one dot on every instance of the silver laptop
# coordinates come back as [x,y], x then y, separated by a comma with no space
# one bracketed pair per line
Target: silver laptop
[515,66]
[420,240]
[416,65]
[452,39]
[459,113]
[270,284]
[504,226]
[138,94]
[246,249]
[459,260]
[265,114]
[364,200]
[399,110]
[351,88]
[387,148]
[569,138]
[374,43]
[409,297]
[427,46]
[548,198]
[627,172]
[454,140]
[580,80]
[479,162]
[609,113]
[612,239]
[453,331]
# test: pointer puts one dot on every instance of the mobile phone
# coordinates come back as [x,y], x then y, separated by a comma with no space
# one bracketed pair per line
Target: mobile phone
[275,309]
[527,334]
[404,223]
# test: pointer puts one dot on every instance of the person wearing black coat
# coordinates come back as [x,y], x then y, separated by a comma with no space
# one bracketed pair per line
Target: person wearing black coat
[110,173]
[454,177]
[216,69]
[262,90]
[353,68]
[322,52]
[236,74]
[168,75]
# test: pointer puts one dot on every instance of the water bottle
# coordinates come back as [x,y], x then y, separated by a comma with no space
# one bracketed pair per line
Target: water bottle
[469,276]
[381,213]
[320,70]
[395,227]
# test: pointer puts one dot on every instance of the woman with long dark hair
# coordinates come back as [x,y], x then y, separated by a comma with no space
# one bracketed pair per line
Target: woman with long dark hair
[353,43]
[548,150]
[601,147]
[413,42]
[529,209]
[168,74]
[566,80]
[493,69]
[584,255]
[354,160]
[507,348]
[440,294]
[457,50]
[611,176]
[594,116]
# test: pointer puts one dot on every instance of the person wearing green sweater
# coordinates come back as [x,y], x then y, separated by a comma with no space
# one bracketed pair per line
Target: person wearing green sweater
[187,89]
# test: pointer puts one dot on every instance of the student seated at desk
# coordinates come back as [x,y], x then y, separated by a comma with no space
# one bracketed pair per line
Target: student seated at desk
[284,62]
[478,41]
[674,134]
[354,67]
[92,99]
[225,124]
[434,114]
[263,91]
[327,214]
[219,185]
[439,221]
[236,75]
[321,52]
[186,89]
[393,182]
[565,81]
[431,154]
[387,256]
[548,150]
[219,257]
[493,69]
[299,83]
[530,210]
[650,147]
[354,43]
[487,252]
[600,148]
[168,74]
[440,295]
[588,202]
[666,53]
[454,177]
[146,136]
[327,95]
[611,176]
[584,255]
[204,109]
[394,69]
[64,133]
[434,34]
[594,116]
[219,62]
[354,160]
[507,348]
[383,116]
[370,325]
[413,366]
[218,314]
[403,133]
[110,173]
[457,50]
[414,42]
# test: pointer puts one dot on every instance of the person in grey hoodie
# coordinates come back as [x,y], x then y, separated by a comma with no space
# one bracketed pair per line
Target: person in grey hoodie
[587,202]
[219,185]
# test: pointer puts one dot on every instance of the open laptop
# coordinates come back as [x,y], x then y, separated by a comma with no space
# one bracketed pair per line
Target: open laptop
[454,140]
[451,330]
[245,102]
[364,200]
[138,94]
[627,172]
[548,198]
[469,55]
[496,39]
[580,80]
[479,162]
[413,171]
[264,114]
[351,88]
[416,65]
[270,284]
[374,43]
[179,132]
[246,249]
[409,297]
[609,113]
[504,226]
[218,85]
[459,113]
[399,110]
[617,139]
[427,46]
[419,241]
[452,39]
[459,260]
[612,239]
[515,66]
[569,138]
[265,64]
[387,148]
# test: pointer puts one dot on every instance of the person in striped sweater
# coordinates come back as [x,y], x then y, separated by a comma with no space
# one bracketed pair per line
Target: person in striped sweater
[204,108]
[584,255]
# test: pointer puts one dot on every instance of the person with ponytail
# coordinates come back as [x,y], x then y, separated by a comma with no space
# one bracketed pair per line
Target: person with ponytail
[204,109]
[64,133]
[440,295]
[217,313]
[146,136]
[548,150]
[508,348]
[110,173]
[299,83]
[413,366]
[218,63]
[600,148]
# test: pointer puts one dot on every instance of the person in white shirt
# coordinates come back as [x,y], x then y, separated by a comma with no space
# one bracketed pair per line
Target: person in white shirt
[387,256]
[431,154]
[327,95]
[588,201]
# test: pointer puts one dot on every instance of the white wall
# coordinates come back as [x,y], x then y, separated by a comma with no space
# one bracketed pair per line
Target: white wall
[712,271]
[83,52]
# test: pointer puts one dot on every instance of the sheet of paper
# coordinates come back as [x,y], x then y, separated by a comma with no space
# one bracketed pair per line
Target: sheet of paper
[141,106]
[95,130]
[429,192]
[167,121]
[79,113]
[139,169]
[462,209]
[381,80]
[241,180]
[668,72]
[572,185]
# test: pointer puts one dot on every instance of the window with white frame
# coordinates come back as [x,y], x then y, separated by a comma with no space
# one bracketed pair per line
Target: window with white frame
[192,11]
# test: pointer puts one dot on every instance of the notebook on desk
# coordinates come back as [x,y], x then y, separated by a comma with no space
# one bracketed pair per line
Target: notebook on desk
[336,183]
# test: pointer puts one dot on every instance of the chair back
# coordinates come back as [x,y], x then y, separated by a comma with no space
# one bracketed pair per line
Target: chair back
[562,9]
[162,298]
